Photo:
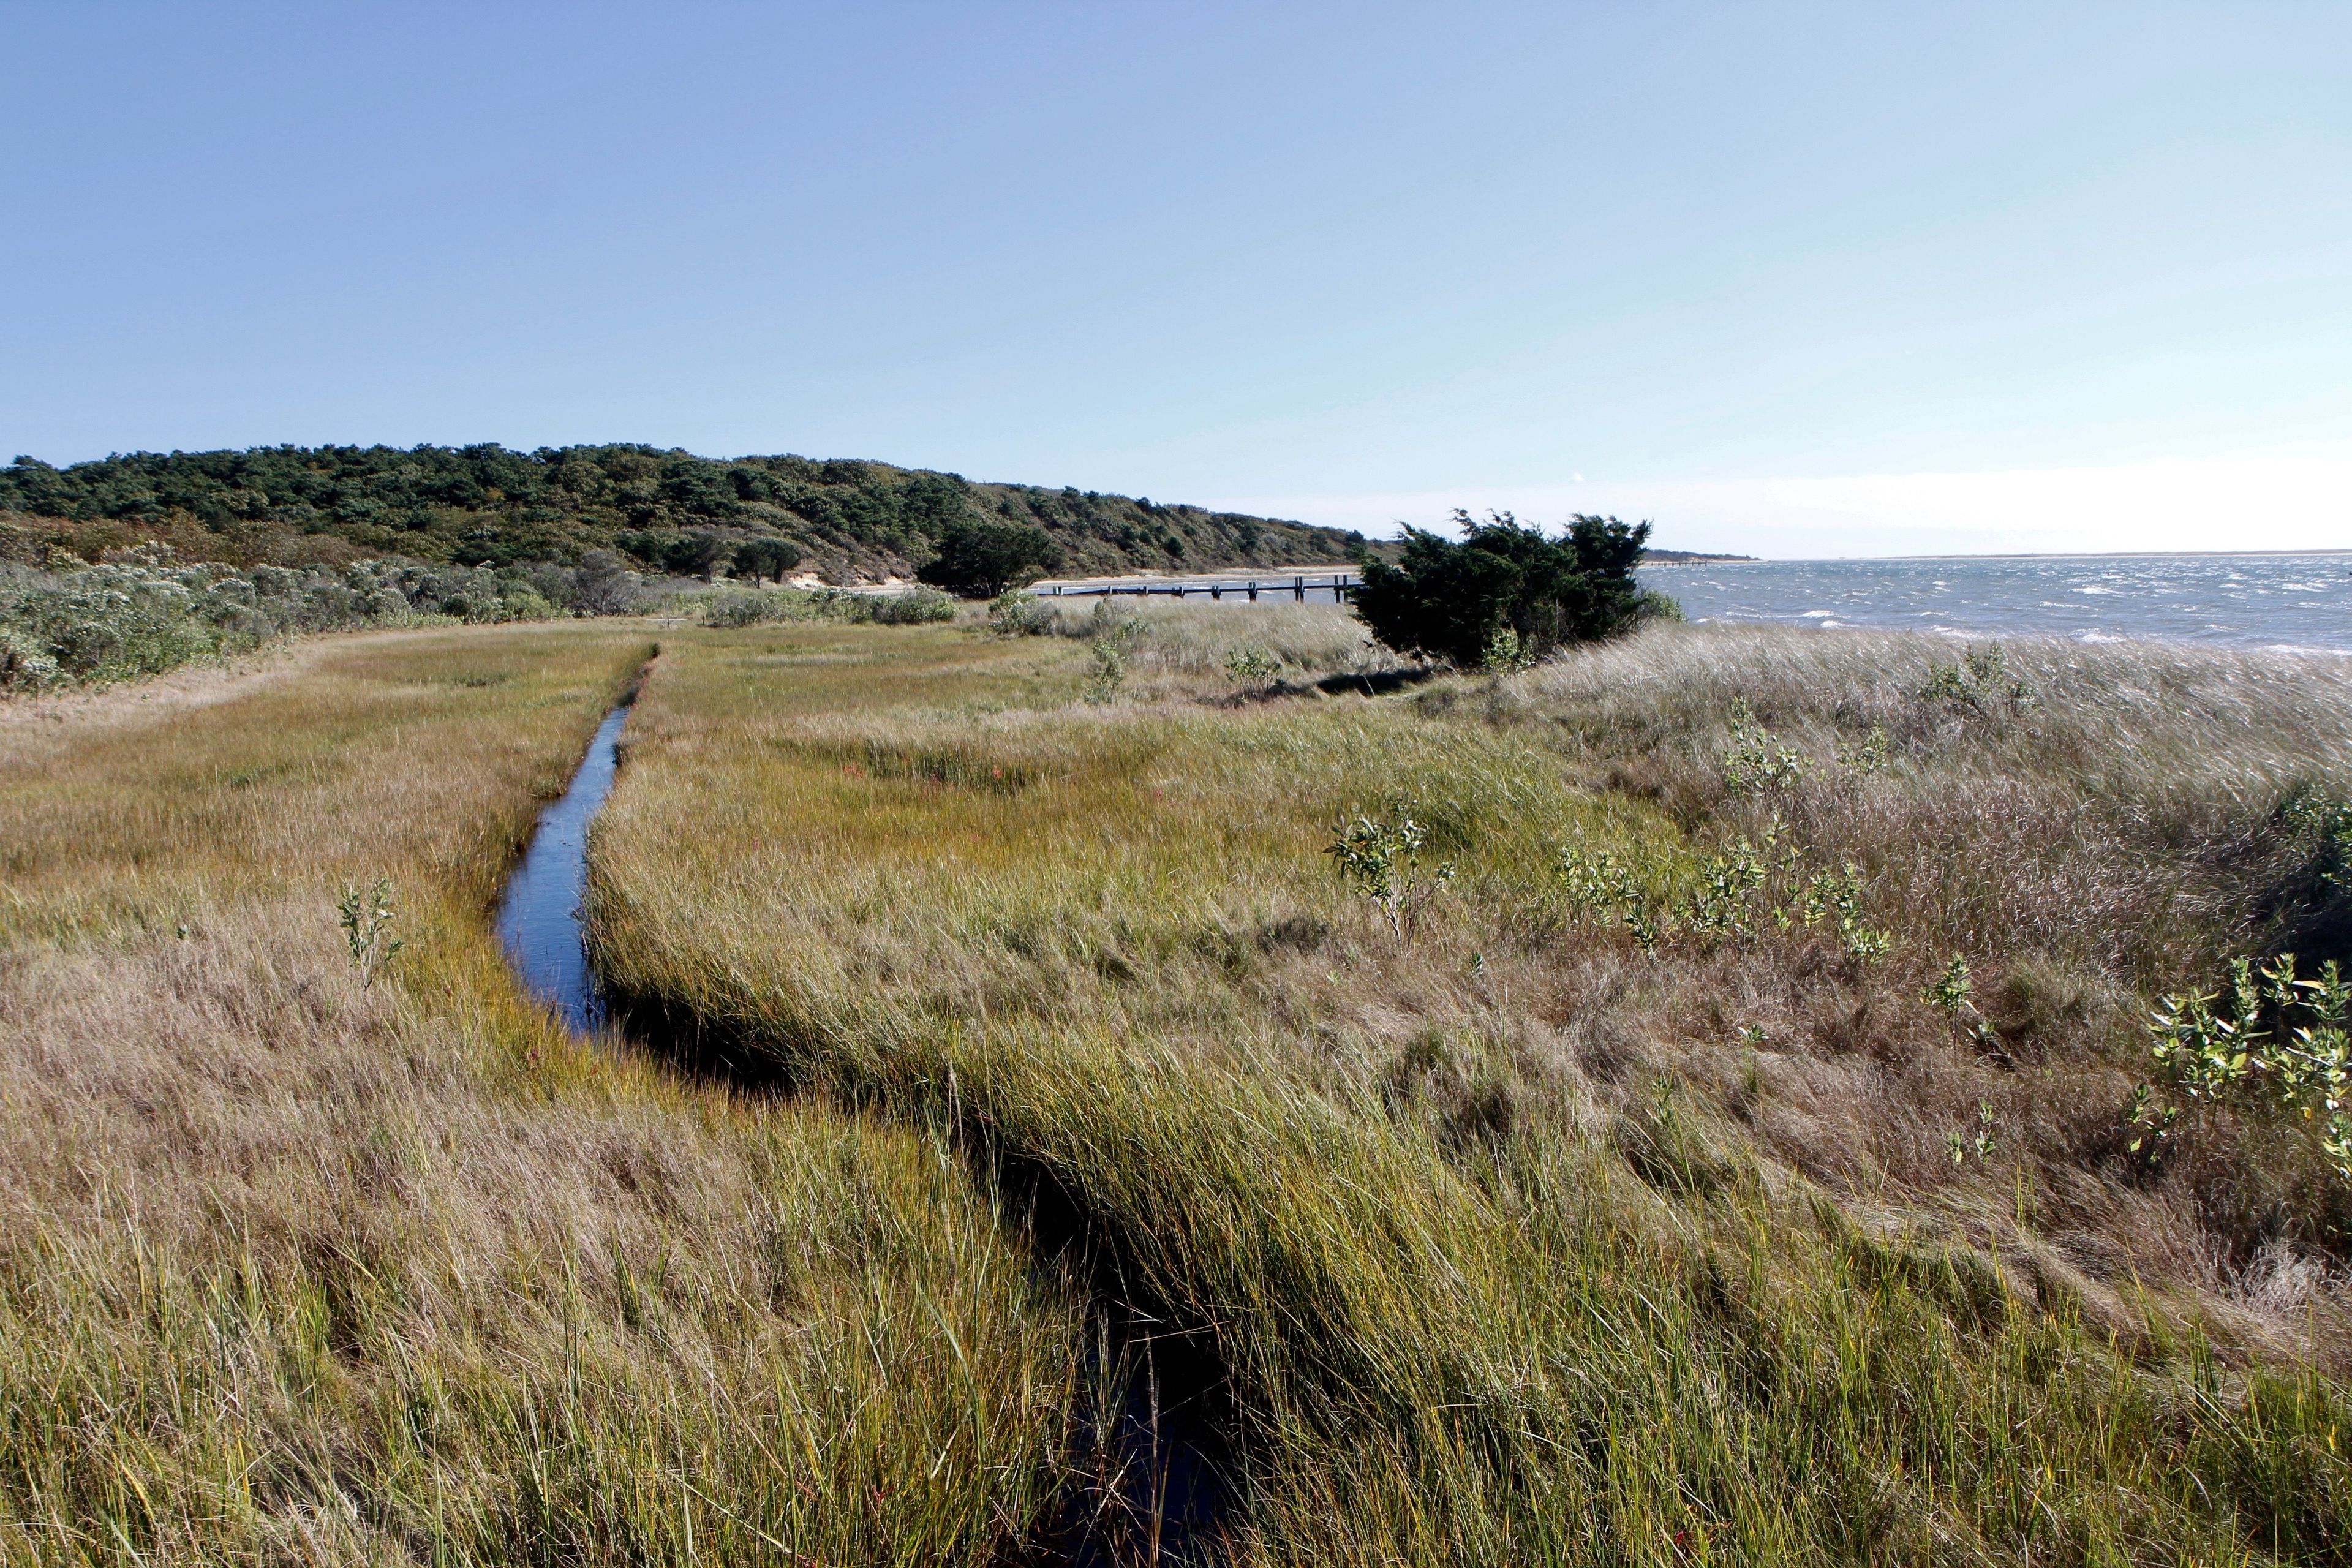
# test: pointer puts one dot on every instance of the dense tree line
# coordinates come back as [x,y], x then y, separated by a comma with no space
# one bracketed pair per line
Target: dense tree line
[486,506]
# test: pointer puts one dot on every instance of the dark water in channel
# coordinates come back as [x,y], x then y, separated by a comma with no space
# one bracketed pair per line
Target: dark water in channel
[1158,1497]
[539,918]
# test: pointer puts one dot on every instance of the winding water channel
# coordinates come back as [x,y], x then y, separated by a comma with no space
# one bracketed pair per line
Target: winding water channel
[1157,1466]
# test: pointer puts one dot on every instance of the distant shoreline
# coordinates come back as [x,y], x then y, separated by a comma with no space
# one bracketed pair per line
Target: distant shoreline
[2004,555]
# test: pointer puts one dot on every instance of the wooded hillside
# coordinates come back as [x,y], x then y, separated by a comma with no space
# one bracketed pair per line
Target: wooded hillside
[485,505]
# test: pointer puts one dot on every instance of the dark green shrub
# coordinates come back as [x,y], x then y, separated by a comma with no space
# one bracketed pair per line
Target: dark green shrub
[1457,602]
[981,560]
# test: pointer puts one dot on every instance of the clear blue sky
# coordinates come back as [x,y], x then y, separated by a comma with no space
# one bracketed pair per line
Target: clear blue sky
[1794,279]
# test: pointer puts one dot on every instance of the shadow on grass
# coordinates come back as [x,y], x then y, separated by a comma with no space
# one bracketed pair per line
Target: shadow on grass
[1160,1414]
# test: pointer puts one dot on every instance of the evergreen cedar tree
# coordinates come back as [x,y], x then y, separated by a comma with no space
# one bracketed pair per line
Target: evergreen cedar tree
[770,558]
[1448,601]
[981,560]
[694,555]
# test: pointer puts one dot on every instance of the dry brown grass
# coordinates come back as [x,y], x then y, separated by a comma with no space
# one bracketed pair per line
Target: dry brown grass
[2113,835]
[1504,1225]
[296,1268]
[1181,648]
[1509,1245]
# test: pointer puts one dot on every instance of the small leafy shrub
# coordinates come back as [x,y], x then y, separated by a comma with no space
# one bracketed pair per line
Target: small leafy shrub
[1756,763]
[24,665]
[1980,684]
[1953,994]
[366,920]
[1507,650]
[1867,755]
[1834,897]
[1252,666]
[1734,894]
[1452,602]
[1113,632]
[1018,612]
[1951,990]
[2282,1047]
[1653,606]
[2321,824]
[1107,667]
[1382,858]
[1978,1141]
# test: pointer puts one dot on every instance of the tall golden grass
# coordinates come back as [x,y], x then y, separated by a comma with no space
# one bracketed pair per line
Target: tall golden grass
[298,1269]
[1506,1237]
[1514,1241]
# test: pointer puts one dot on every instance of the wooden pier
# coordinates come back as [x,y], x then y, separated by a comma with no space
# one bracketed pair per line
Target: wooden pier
[1338,584]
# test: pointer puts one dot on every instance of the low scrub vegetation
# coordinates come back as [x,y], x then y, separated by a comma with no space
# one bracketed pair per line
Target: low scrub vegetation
[912,607]
[1173,650]
[143,614]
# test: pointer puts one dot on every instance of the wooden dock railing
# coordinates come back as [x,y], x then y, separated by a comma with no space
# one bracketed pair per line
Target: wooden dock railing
[1338,584]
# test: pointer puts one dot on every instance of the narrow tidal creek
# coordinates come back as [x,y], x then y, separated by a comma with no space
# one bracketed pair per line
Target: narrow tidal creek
[540,919]
[1156,1496]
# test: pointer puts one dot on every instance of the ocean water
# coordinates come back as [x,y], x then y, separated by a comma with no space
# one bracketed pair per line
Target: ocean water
[2287,602]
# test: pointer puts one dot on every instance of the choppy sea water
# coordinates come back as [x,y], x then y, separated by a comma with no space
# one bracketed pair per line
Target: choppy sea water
[2289,602]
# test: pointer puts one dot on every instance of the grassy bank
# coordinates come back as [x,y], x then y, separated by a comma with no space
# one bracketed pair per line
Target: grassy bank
[1661,1210]
[296,1267]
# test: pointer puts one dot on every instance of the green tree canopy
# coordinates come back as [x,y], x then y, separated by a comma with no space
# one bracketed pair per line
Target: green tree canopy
[757,558]
[1452,601]
[484,505]
[981,560]
[696,554]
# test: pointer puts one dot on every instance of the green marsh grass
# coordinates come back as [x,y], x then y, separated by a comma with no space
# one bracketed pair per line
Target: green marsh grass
[295,1268]
[1512,1241]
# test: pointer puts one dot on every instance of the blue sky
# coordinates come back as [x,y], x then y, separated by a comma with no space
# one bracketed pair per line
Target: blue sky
[1792,279]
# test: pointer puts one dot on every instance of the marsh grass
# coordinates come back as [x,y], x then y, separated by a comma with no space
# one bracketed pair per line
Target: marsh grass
[1504,1235]
[1193,650]
[298,1269]
[1514,1241]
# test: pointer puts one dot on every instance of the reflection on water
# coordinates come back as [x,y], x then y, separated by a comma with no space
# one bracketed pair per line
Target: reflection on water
[539,920]
[2246,601]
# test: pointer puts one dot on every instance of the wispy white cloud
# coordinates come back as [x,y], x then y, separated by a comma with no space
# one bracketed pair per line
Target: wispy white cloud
[2280,501]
